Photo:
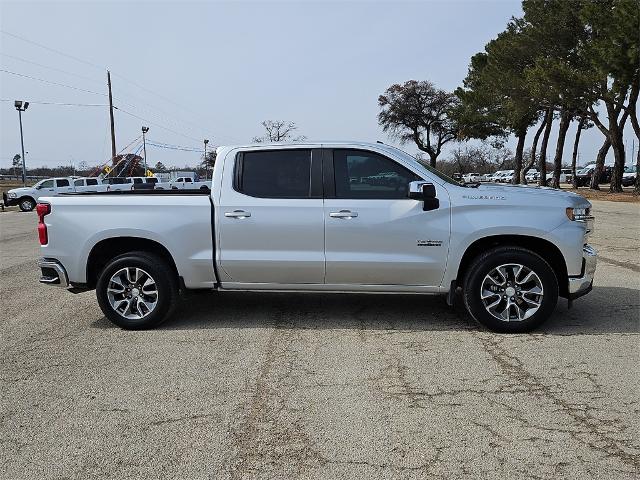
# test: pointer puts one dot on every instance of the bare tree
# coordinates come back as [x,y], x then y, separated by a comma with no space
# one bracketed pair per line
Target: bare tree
[279,131]
[421,113]
[16,164]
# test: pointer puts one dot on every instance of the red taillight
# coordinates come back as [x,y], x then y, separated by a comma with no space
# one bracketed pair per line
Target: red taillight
[43,209]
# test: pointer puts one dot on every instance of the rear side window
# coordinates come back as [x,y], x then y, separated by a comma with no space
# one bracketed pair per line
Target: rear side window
[188,180]
[362,174]
[274,174]
[62,183]
[137,180]
[92,181]
[152,180]
[78,183]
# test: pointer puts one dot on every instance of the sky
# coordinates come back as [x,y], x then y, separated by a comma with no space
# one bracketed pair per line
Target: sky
[215,70]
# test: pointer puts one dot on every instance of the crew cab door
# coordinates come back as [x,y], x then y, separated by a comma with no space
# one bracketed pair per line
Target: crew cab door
[270,217]
[375,234]
[63,185]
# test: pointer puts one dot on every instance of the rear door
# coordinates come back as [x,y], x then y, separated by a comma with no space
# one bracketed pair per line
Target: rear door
[270,217]
[375,234]
[63,185]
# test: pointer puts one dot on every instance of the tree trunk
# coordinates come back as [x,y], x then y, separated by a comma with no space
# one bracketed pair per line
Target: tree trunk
[618,168]
[574,157]
[636,191]
[542,160]
[597,171]
[534,147]
[522,135]
[432,158]
[565,121]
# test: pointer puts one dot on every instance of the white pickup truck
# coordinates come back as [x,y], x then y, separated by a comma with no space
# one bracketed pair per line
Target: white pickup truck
[291,218]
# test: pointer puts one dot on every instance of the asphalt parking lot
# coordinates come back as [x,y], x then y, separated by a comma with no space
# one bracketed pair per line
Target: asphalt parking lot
[320,386]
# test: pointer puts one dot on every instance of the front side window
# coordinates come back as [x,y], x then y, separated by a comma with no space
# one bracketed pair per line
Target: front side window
[62,183]
[47,184]
[362,174]
[78,183]
[274,174]
[152,180]
[92,181]
[137,180]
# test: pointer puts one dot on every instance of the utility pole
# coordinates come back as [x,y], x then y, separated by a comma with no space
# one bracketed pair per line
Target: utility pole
[113,129]
[205,158]
[21,107]
[144,148]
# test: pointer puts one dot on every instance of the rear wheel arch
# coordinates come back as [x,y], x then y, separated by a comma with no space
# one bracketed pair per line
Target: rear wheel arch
[107,249]
[547,250]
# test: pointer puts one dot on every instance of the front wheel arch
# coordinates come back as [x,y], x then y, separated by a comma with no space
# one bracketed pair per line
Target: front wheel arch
[24,198]
[544,248]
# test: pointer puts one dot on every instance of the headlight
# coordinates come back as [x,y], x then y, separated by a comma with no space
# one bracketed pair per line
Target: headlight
[12,195]
[578,214]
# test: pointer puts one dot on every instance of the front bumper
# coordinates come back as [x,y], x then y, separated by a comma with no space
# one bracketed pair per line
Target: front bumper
[53,273]
[582,284]
[8,202]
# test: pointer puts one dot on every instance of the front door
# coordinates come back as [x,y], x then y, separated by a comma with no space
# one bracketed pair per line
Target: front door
[270,217]
[375,234]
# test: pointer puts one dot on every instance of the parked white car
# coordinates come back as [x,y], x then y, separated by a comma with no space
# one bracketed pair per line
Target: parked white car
[471,177]
[565,175]
[532,175]
[27,197]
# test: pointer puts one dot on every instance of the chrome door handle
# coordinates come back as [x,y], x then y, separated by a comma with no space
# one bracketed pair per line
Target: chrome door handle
[237,214]
[343,214]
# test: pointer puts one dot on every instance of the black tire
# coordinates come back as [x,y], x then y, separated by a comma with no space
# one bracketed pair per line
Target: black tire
[26,204]
[487,262]
[165,281]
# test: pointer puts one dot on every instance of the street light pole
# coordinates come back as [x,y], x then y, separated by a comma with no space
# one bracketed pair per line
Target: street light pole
[144,148]
[205,156]
[21,107]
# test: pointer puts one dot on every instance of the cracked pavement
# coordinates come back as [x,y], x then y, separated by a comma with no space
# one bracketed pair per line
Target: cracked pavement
[242,386]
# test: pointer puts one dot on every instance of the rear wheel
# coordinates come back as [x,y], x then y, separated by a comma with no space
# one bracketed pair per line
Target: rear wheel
[510,289]
[27,204]
[137,290]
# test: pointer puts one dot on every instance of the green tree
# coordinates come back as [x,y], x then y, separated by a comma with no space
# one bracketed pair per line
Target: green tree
[417,111]
[16,164]
[496,92]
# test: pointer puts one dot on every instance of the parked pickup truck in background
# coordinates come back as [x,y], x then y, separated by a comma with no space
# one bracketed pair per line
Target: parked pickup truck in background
[290,218]
[27,197]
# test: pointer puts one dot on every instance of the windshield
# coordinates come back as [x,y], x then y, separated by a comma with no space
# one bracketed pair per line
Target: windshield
[630,169]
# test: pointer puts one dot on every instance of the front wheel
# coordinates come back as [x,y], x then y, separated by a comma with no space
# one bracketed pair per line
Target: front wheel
[137,290]
[510,289]
[27,204]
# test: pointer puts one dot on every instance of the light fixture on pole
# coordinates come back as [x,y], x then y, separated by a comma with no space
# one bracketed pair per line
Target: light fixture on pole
[205,157]
[144,148]
[21,107]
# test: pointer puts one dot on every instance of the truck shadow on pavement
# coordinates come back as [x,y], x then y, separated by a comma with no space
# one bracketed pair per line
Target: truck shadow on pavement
[604,310]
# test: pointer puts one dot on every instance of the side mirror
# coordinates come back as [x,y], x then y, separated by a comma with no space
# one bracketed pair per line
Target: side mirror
[38,187]
[425,191]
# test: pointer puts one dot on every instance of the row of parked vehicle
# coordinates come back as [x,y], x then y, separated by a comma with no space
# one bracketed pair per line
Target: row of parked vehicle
[583,176]
[26,198]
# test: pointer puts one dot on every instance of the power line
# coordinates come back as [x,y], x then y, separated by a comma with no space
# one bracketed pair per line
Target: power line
[36,102]
[156,124]
[52,83]
[77,59]
[51,68]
